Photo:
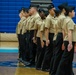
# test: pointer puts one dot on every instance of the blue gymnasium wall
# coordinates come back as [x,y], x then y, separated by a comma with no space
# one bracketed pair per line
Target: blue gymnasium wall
[9,14]
[70,2]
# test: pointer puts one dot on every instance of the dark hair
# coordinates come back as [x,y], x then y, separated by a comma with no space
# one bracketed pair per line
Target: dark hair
[63,6]
[57,12]
[67,12]
[34,6]
[41,10]
[27,10]
[50,6]
[46,13]
[23,9]
[69,9]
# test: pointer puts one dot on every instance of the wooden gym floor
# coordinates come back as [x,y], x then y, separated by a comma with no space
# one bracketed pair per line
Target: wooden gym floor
[9,64]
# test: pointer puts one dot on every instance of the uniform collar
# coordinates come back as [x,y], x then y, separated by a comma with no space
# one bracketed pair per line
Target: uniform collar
[62,14]
[69,17]
[23,18]
[56,17]
[35,14]
[51,16]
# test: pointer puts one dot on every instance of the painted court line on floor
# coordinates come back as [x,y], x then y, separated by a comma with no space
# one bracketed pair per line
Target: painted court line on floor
[8,50]
[14,63]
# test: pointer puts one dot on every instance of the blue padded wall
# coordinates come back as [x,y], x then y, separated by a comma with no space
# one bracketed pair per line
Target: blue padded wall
[9,14]
[70,2]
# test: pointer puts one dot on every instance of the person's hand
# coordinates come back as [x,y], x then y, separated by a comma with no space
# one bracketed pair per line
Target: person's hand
[42,44]
[47,42]
[70,46]
[75,48]
[34,40]
[63,47]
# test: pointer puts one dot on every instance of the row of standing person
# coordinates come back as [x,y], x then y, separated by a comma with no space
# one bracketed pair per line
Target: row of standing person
[47,39]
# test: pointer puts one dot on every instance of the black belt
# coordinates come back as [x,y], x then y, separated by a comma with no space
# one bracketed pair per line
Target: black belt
[51,33]
[30,31]
[21,31]
[60,33]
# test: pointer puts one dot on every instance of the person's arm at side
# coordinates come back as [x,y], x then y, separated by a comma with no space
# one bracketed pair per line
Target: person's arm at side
[70,40]
[70,32]
[47,28]
[42,28]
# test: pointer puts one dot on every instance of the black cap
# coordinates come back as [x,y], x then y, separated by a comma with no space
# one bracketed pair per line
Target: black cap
[50,6]
[24,9]
[33,5]
[69,8]
[46,13]
[57,11]
[41,10]
[63,5]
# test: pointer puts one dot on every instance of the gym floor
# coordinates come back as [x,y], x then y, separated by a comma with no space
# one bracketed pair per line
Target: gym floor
[9,64]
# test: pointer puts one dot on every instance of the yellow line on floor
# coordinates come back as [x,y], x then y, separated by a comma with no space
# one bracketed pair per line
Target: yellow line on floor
[28,71]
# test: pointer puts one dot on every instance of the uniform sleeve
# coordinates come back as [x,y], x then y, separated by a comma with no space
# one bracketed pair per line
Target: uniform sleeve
[42,27]
[27,26]
[59,23]
[38,21]
[24,27]
[71,25]
[24,23]
[47,23]
[21,21]
[16,29]
[64,23]
[62,20]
